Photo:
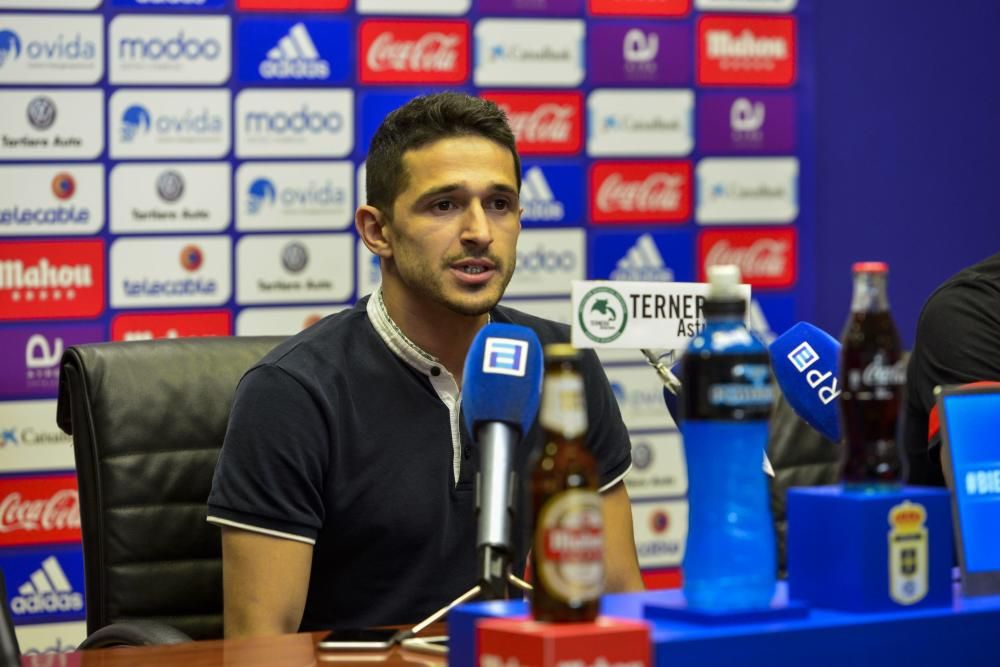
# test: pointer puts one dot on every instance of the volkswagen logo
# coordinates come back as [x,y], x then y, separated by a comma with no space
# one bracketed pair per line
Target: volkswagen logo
[294,257]
[642,456]
[170,186]
[41,112]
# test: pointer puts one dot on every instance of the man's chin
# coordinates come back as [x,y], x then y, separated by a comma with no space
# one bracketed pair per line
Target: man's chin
[473,305]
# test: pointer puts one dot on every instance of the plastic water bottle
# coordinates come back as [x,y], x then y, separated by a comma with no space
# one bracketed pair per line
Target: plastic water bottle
[729,562]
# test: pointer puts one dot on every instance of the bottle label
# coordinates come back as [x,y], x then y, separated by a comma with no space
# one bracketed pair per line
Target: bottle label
[728,387]
[569,537]
[563,410]
[880,379]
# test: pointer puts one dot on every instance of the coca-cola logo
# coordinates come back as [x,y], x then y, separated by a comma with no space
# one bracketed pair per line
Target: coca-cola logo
[60,511]
[880,374]
[636,192]
[548,123]
[767,258]
[543,123]
[414,52]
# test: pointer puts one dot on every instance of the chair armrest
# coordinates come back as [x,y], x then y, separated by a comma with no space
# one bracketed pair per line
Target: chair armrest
[134,633]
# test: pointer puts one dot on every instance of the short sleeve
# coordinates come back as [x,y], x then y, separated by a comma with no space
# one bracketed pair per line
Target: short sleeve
[271,470]
[607,436]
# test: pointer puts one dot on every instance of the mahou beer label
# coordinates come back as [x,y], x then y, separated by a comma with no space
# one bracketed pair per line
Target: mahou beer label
[570,533]
[908,561]
[562,408]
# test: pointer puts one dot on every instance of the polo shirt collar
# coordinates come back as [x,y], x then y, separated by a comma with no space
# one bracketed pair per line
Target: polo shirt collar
[397,341]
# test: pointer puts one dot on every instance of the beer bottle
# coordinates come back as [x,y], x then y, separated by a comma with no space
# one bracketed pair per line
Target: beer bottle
[872,377]
[568,552]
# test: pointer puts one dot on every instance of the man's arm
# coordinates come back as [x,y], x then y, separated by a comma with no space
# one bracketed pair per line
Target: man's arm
[621,564]
[265,580]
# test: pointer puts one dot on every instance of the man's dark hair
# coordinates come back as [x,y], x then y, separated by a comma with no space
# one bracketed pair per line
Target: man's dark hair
[424,120]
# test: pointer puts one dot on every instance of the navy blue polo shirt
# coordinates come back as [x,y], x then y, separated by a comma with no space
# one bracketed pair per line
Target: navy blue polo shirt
[348,437]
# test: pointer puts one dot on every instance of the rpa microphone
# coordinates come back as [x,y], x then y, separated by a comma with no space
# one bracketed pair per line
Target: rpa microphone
[804,360]
[500,397]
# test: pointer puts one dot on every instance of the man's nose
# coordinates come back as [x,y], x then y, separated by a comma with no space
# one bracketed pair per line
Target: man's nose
[477,229]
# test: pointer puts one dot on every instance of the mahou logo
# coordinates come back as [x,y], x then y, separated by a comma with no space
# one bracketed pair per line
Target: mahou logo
[147,326]
[640,7]
[767,258]
[414,52]
[51,280]
[39,510]
[640,192]
[543,123]
[746,51]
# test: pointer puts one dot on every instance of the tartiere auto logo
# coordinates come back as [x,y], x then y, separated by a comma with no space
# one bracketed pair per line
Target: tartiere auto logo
[640,192]
[766,257]
[413,52]
[545,122]
[39,510]
[746,51]
[51,280]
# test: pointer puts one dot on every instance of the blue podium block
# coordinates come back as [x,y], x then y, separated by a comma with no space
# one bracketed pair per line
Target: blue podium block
[870,552]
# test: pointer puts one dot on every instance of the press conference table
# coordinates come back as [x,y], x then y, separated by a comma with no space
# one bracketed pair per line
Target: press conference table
[297,650]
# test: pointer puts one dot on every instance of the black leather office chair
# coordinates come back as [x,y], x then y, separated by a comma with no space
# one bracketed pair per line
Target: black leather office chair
[10,652]
[148,419]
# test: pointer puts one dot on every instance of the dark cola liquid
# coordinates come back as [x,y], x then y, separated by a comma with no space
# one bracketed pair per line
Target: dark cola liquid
[872,378]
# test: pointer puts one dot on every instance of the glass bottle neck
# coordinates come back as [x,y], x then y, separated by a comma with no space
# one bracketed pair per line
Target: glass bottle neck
[870,293]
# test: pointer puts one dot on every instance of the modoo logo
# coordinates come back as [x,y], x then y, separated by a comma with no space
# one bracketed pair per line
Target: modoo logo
[178,47]
[300,121]
[541,259]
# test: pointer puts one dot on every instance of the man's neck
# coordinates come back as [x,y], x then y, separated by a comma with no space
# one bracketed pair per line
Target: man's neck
[435,329]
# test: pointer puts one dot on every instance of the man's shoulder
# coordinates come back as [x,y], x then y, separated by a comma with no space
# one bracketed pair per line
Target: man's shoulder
[328,339]
[548,331]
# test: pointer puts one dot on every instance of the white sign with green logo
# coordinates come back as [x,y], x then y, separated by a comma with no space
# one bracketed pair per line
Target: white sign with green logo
[624,314]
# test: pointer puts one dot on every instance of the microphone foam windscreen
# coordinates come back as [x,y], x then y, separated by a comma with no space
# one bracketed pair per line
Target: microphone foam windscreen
[805,361]
[502,381]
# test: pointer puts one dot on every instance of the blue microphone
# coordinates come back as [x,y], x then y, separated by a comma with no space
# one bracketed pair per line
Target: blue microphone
[805,361]
[501,391]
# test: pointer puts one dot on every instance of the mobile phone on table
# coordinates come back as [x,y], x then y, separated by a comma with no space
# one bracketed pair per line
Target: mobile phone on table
[358,639]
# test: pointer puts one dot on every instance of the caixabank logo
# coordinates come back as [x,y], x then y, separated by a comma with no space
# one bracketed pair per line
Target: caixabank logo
[40,509]
[57,48]
[651,123]
[30,356]
[44,585]
[550,193]
[51,124]
[306,268]
[51,280]
[535,53]
[743,51]
[766,257]
[170,197]
[150,49]
[544,123]
[413,52]
[170,271]
[151,123]
[640,192]
[30,439]
[295,51]
[294,122]
[294,196]
[51,200]
[747,190]
[176,324]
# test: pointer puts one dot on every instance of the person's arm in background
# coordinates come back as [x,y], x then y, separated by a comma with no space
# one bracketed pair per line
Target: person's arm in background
[621,564]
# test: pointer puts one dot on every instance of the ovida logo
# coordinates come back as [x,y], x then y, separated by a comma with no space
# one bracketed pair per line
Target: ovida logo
[746,116]
[537,199]
[640,48]
[300,121]
[176,48]
[55,51]
[295,57]
[505,356]
[294,257]
[804,356]
[47,590]
[261,192]
[41,112]
[170,186]
[135,119]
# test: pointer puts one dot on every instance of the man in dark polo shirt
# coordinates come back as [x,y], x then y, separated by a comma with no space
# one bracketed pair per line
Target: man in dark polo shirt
[345,487]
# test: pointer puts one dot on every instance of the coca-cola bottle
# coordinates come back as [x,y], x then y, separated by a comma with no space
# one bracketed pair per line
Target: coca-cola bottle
[872,377]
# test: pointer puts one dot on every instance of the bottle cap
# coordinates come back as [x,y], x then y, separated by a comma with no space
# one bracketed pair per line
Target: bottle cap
[723,281]
[870,267]
[560,351]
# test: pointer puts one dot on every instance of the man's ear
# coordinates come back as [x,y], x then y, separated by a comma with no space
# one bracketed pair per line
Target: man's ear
[374,230]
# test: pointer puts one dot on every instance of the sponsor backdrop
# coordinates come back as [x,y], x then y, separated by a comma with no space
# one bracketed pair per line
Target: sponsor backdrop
[191,167]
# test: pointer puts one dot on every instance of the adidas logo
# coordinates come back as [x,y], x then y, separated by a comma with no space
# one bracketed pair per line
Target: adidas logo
[295,57]
[537,199]
[643,261]
[47,590]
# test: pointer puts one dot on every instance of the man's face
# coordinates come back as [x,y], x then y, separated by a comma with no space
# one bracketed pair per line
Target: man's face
[454,229]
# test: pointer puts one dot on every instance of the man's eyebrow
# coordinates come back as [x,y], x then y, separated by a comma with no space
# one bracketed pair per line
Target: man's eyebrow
[449,188]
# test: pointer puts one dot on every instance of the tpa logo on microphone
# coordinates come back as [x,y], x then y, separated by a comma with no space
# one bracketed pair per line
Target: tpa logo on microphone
[804,356]
[506,356]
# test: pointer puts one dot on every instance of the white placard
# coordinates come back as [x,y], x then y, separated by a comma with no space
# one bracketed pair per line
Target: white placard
[295,122]
[746,5]
[649,123]
[442,7]
[524,52]
[747,190]
[170,271]
[51,48]
[149,49]
[281,321]
[548,261]
[51,124]
[302,268]
[292,196]
[51,199]
[639,393]
[660,530]
[170,197]
[184,122]
[658,466]
[30,439]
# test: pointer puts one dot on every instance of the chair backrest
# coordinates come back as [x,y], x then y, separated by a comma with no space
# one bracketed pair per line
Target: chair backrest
[148,419]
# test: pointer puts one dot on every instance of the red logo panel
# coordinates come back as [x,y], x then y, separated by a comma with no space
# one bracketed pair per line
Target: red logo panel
[640,7]
[294,5]
[146,326]
[738,51]
[547,123]
[414,52]
[39,510]
[51,280]
[766,257]
[640,192]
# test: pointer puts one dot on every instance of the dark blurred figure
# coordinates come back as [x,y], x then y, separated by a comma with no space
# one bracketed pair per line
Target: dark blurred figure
[958,341]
